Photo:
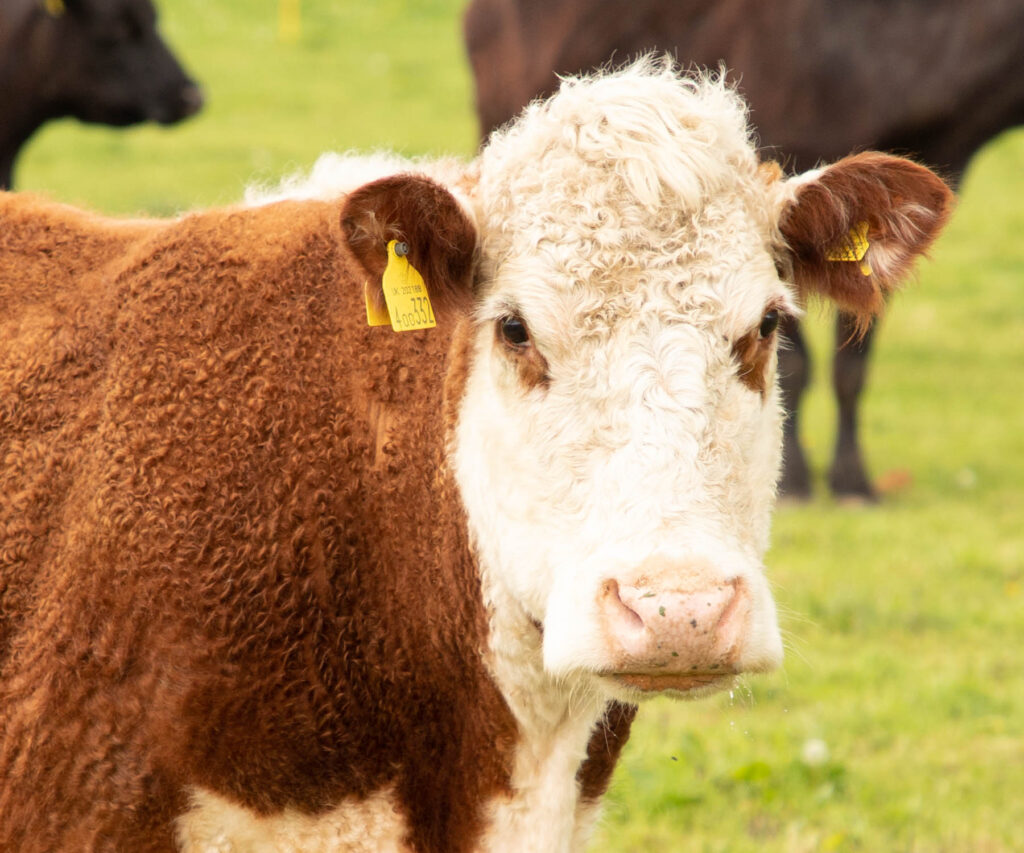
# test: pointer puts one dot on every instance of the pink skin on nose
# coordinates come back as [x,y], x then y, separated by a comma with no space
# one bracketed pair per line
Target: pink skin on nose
[664,639]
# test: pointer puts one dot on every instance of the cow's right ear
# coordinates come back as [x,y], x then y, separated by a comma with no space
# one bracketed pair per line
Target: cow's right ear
[425,216]
[854,229]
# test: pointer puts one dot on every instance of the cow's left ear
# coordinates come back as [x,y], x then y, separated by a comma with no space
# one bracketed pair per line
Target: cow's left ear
[421,213]
[855,228]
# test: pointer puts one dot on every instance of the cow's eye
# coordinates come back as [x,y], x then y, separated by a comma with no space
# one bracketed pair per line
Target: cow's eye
[513,332]
[769,323]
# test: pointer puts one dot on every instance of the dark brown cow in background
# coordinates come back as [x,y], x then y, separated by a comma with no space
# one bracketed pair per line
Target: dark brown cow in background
[100,61]
[932,78]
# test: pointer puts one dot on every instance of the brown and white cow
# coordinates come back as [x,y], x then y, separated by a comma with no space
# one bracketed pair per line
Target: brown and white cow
[276,580]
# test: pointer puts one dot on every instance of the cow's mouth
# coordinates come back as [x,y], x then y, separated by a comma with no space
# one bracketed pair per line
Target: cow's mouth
[679,682]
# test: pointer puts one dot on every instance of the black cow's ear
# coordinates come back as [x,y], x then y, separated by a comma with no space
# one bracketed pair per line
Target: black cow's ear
[854,229]
[439,236]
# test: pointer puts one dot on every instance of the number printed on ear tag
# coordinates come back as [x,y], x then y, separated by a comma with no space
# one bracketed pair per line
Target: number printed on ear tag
[405,292]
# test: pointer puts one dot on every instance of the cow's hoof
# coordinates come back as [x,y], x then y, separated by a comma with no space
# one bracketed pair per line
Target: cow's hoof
[855,501]
[851,487]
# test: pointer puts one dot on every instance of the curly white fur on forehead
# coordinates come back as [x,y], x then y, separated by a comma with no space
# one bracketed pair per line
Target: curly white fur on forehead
[656,131]
[626,189]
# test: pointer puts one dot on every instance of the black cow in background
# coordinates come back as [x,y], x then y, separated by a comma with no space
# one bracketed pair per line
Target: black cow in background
[934,79]
[100,61]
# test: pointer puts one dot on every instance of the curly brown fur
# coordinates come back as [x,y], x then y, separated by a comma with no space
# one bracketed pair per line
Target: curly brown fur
[209,575]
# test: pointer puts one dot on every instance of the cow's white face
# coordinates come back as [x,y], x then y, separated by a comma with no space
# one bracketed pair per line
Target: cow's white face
[618,442]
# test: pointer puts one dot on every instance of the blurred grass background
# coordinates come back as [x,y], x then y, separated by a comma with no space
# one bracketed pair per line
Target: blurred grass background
[898,721]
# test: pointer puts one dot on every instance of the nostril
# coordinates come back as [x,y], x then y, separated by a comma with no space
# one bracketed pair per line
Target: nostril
[735,603]
[622,616]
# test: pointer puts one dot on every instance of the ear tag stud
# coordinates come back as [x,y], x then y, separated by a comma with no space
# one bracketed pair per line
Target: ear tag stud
[855,249]
[54,8]
[404,293]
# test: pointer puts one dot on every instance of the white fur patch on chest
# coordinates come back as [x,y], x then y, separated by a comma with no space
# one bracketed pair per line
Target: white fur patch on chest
[544,813]
[216,825]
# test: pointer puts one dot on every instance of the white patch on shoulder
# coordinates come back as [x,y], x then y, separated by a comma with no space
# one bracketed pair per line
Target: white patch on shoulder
[216,825]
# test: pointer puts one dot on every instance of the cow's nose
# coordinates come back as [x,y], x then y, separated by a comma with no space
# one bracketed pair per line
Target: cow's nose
[177,104]
[656,632]
[191,99]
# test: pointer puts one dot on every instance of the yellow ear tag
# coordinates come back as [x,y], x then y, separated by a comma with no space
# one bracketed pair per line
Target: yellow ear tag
[54,8]
[405,293]
[855,249]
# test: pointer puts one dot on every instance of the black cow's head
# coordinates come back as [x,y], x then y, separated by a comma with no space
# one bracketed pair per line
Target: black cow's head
[109,64]
[100,61]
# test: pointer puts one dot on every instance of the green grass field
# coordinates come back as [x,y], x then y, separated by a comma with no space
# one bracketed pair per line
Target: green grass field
[898,721]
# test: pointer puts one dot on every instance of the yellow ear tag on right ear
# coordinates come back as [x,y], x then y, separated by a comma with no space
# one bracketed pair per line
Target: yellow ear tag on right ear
[54,8]
[855,249]
[405,292]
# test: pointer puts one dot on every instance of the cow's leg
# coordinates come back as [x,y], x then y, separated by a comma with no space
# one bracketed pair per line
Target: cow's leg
[794,375]
[847,476]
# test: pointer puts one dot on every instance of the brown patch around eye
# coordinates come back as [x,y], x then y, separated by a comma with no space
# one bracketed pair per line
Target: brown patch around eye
[754,350]
[513,338]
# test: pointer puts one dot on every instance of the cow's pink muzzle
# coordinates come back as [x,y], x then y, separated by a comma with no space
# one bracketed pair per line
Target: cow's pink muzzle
[680,637]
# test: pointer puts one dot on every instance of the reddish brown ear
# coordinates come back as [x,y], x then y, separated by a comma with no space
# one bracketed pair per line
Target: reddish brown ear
[421,213]
[903,206]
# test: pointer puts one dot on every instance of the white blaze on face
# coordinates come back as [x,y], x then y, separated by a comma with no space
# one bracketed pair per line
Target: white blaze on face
[617,472]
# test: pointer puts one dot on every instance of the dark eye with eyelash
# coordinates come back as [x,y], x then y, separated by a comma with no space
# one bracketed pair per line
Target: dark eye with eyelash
[769,323]
[513,332]
[520,352]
